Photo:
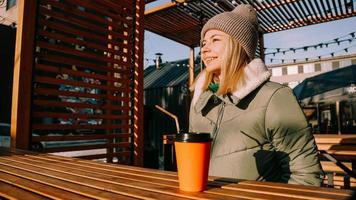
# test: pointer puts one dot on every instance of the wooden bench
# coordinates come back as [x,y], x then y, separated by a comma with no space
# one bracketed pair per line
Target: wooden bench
[343,149]
[336,177]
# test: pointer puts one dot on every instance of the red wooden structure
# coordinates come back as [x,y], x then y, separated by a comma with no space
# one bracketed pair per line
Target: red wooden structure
[78,76]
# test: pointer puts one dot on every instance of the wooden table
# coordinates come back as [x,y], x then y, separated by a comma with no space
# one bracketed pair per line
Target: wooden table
[25,175]
[343,146]
[343,149]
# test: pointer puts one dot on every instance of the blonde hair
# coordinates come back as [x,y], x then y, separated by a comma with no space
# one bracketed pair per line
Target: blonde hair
[234,59]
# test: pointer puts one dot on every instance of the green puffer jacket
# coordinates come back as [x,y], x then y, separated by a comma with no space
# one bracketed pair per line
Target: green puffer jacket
[260,132]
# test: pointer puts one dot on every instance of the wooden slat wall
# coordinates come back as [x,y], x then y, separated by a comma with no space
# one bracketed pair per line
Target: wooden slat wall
[85,78]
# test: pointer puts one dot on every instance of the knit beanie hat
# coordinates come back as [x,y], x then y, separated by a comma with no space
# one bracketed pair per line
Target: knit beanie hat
[240,23]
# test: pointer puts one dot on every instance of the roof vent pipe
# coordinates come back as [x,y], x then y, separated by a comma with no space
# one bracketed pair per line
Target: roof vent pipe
[158,60]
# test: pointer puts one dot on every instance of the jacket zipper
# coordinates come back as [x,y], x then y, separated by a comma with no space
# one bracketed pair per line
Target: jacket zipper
[218,123]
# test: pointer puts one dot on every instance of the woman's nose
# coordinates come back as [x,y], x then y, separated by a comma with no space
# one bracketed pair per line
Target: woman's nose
[205,48]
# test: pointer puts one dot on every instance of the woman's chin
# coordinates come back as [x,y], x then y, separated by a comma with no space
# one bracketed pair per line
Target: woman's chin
[215,70]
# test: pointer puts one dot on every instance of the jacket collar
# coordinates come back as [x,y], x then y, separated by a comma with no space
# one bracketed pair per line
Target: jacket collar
[255,73]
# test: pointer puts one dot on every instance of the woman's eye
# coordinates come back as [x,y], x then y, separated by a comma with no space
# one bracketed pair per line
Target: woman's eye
[215,39]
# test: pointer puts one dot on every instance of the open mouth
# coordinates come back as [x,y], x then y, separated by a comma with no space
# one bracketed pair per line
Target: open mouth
[209,59]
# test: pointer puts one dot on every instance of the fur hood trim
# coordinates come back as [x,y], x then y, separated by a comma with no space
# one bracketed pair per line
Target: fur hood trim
[255,73]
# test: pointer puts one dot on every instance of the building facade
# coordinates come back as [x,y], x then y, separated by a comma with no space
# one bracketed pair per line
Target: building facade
[331,112]
[293,74]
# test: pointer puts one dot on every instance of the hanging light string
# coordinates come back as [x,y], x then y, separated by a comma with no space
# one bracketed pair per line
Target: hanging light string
[349,37]
[294,60]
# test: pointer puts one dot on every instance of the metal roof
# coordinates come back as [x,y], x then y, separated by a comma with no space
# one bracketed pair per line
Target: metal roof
[181,20]
[324,82]
[169,74]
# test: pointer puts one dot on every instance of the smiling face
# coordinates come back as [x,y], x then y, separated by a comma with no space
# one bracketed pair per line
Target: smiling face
[213,47]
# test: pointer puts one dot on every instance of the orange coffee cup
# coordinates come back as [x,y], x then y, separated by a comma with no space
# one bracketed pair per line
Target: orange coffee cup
[193,155]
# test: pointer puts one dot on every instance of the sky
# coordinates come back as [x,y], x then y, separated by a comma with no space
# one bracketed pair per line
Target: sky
[294,38]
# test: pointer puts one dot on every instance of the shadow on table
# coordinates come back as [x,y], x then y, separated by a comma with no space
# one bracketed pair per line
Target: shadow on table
[219,181]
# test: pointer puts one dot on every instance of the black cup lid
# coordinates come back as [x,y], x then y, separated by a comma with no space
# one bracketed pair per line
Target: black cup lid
[193,137]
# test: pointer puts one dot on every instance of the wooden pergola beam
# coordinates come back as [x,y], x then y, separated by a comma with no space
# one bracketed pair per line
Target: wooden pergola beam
[164,6]
[274,15]
[21,93]
[160,8]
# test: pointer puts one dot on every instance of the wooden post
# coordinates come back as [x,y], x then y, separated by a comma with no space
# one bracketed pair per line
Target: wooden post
[191,67]
[138,86]
[261,45]
[22,80]
[338,117]
[318,116]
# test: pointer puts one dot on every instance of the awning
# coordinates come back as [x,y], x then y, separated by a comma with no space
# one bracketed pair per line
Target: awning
[322,83]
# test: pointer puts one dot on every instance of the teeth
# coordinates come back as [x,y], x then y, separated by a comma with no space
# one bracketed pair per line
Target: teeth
[209,59]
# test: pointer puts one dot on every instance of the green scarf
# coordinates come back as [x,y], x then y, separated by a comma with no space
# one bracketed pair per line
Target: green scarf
[213,87]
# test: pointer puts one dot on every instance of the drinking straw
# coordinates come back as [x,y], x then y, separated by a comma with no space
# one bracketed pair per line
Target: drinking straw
[169,114]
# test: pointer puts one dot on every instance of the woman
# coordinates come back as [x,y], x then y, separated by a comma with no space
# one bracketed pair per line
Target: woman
[259,131]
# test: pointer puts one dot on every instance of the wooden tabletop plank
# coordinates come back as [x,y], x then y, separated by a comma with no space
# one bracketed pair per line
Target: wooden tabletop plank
[52,186]
[285,192]
[132,188]
[78,186]
[9,191]
[108,175]
[281,190]
[332,167]
[338,147]
[150,177]
[246,194]
[36,187]
[301,188]
[98,173]
[104,168]
[137,182]
[146,178]
[84,170]
[335,139]
[100,165]
[134,169]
